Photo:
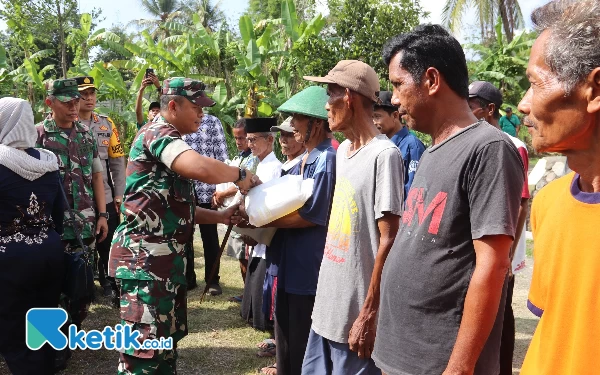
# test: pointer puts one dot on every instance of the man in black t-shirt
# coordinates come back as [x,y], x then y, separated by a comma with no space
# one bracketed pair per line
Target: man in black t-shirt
[444,280]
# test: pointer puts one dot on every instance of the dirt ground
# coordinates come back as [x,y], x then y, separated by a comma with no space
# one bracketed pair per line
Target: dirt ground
[525,321]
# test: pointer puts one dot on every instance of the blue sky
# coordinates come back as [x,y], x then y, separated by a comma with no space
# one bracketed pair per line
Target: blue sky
[123,11]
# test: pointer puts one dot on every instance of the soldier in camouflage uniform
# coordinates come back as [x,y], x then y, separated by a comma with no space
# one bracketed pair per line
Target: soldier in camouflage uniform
[112,156]
[149,248]
[81,172]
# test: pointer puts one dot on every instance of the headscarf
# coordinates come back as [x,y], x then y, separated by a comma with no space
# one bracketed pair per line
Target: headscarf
[17,131]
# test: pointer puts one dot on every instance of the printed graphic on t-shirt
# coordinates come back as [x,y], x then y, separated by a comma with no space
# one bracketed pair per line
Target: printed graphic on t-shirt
[342,221]
[415,204]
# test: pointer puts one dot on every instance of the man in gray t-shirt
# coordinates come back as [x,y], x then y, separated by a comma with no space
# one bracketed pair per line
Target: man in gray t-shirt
[443,284]
[365,216]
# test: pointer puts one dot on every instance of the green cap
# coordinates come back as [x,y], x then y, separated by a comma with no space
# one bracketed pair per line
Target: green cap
[309,102]
[64,90]
[192,89]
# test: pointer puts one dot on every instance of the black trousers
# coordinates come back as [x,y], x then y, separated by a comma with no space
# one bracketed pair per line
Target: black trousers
[210,243]
[103,247]
[507,345]
[30,276]
[292,327]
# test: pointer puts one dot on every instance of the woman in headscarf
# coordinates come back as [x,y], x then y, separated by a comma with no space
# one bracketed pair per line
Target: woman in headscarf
[31,252]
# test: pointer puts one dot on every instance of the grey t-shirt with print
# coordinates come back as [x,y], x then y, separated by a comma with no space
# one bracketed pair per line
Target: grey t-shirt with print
[466,187]
[368,184]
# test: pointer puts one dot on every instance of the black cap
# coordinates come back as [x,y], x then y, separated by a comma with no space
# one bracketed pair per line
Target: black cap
[84,83]
[260,124]
[486,91]
[385,100]
[154,105]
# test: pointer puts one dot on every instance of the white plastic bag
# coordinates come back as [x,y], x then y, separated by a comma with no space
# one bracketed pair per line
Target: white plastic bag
[260,235]
[274,199]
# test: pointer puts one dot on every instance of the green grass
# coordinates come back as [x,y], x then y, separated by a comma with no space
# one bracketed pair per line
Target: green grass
[529,249]
[219,341]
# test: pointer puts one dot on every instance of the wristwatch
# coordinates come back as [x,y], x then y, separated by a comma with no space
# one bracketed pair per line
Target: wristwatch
[104,215]
[242,176]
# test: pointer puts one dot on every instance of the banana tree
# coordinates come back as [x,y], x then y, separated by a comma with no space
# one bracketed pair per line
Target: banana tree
[81,40]
[260,59]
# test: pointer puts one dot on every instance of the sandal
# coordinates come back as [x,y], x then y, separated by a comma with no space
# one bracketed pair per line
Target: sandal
[266,344]
[269,370]
[266,353]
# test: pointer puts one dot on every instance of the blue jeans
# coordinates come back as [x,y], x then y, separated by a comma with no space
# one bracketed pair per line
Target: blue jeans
[326,357]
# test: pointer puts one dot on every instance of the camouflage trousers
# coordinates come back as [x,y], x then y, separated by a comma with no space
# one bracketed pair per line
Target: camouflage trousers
[78,310]
[156,309]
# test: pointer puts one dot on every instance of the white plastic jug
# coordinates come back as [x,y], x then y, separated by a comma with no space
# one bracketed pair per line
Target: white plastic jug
[274,199]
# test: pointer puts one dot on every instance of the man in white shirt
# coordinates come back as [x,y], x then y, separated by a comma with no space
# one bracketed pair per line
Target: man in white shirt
[260,140]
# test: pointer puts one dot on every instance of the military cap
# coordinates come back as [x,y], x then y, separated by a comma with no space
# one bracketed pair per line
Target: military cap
[64,90]
[309,102]
[84,83]
[192,89]
[260,124]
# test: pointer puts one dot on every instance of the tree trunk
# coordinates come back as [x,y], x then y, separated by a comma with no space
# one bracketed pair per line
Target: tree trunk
[61,33]
[508,31]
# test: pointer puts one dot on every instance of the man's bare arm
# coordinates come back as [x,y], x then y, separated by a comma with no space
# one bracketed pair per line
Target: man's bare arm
[481,303]
[362,333]
[292,220]
[523,210]
[98,188]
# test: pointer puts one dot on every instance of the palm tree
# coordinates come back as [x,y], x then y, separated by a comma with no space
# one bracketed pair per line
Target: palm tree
[162,11]
[211,16]
[488,11]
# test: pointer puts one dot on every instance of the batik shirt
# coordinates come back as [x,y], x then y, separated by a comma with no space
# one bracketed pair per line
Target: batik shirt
[77,154]
[158,210]
[208,141]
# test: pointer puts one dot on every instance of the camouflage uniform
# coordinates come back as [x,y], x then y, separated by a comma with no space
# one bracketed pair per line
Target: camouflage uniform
[78,159]
[112,156]
[149,248]
[77,155]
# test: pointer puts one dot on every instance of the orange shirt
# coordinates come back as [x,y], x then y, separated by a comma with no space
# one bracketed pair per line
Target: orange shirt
[565,289]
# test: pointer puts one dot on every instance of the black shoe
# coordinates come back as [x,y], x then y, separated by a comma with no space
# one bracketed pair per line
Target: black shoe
[192,285]
[215,290]
[62,359]
[107,290]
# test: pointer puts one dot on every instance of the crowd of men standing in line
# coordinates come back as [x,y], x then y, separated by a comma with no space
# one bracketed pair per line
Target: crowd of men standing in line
[400,261]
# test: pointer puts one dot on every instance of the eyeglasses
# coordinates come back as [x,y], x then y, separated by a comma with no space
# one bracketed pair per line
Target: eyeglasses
[254,139]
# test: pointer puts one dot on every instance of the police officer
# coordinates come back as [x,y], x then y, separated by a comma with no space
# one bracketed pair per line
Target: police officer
[112,157]
[149,249]
[81,172]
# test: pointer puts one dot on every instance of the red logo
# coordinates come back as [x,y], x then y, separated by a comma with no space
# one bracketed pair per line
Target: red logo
[103,128]
[415,204]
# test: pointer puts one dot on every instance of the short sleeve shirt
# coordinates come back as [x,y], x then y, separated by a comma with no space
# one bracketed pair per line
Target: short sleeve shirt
[466,187]
[158,210]
[77,155]
[509,125]
[367,186]
[411,148]
[303,247]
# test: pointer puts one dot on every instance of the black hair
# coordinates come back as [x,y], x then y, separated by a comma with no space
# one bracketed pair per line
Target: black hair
[165,99]
[154,105]
[240,124]
[388,110]
[431,46]
[484,104]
